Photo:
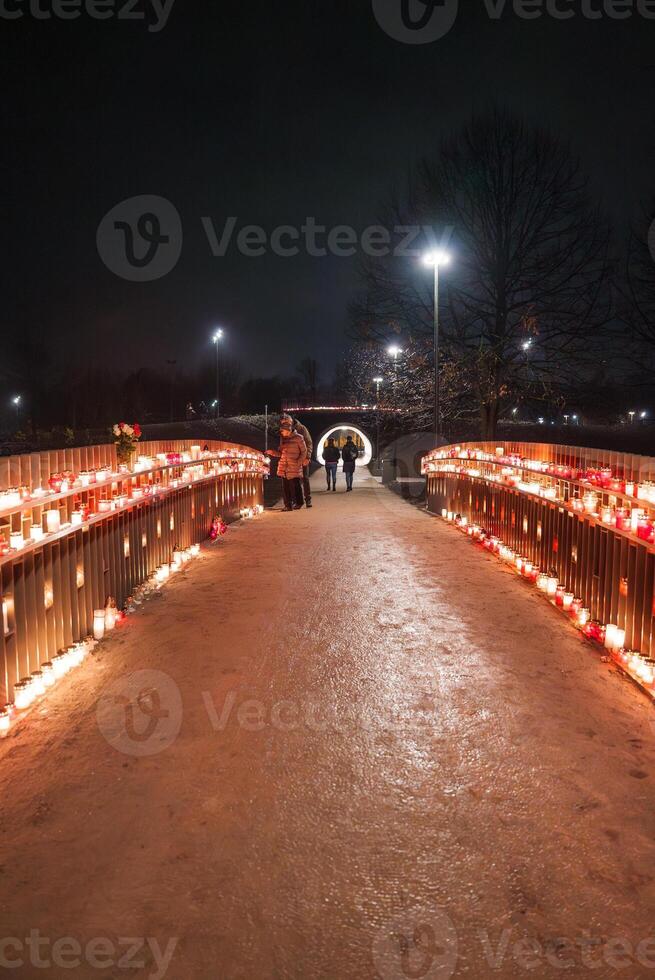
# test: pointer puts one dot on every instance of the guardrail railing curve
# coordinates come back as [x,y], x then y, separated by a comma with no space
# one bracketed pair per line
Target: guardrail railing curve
[579,524]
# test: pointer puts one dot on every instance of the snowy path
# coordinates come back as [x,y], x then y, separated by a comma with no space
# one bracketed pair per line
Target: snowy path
[371,731]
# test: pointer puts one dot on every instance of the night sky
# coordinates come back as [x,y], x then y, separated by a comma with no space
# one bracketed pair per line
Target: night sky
[269,112]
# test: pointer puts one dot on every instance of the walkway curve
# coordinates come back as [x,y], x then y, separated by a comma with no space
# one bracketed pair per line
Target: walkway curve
[381,733]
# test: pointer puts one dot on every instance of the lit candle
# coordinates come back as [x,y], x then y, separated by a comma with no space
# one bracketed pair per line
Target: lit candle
[195,550]
[77,518]
[23,694]
[53,521]
[110,617]
[48,671]
[48,597]
[551,586]
[567,601]
[37,533]
[610,631]
[16,540]
[584,615]
[38,684]
[98,624]
[5,720]
[559,595]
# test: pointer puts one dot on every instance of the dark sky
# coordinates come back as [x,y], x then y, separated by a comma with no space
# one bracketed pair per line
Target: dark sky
[269,112]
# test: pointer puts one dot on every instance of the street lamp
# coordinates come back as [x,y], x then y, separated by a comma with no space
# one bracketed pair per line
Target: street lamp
[218,334]
[377,382]
[435,260]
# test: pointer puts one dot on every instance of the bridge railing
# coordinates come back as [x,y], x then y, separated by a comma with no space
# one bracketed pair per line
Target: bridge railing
[577,523]
[76,528]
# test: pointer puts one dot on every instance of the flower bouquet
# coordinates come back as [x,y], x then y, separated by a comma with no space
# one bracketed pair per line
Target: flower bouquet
[126,440]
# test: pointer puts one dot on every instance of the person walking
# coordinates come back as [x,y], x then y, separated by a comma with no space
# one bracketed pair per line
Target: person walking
[306,485]
[349,455]
[331,455]
[292,455]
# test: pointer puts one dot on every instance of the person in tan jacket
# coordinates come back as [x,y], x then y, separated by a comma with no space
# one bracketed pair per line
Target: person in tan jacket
[292,455]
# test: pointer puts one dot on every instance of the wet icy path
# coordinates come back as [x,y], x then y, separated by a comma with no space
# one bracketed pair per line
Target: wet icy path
[372,730]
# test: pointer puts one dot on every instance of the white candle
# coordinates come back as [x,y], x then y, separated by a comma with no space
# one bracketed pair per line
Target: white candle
[53,521]
[37,533]
[610,631]
[98,624]
[5,720]
[76,518]
[551,586]
[16,539]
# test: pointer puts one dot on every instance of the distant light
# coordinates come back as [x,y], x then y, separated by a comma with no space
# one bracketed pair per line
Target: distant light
[643,415]
[394,350]
[16,400]
[527,344]
[217,335]
[541,421]
[436,258]
[214,403]
[632,415]
[514,411]
[575,418]
[378,381]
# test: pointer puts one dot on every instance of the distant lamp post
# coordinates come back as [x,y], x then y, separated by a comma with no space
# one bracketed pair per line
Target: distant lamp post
[436,260]
[394,351]
[644,415]
[377,382]
[632,416]
[527,344]
[216,339]
[16,402]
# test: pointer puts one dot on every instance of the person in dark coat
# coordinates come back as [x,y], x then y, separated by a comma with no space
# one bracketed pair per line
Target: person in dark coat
[331,456]
[349,455]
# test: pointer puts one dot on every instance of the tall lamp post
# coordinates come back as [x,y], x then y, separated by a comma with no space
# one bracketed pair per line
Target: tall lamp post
[436,260]
[218,334]
[377,382]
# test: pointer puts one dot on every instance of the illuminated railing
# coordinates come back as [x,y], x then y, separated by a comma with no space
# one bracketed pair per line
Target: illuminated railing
[577,523]
[79,534]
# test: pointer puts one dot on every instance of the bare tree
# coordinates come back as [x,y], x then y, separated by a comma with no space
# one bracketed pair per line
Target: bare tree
[308,371]
[525,297]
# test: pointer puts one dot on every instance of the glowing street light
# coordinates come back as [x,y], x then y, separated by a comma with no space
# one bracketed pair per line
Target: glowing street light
[632,416]
[435,260]
[216,338]
[394,351]
[643,415]
[527,344]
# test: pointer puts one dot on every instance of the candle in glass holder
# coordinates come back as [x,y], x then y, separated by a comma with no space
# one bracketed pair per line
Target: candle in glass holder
[98,624]
[559,595]
[567,601]
[584,615]
[551,586]
[53,521]
[77,517]
[5,720]
[16,540]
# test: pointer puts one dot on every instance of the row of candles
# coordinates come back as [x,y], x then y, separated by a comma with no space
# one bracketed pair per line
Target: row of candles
[36,686]
[634,520]
[639,666]
[53,520]
[226,461]
[603,478]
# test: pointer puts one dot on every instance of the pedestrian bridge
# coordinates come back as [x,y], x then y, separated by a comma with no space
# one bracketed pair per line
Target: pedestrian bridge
[325,729]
